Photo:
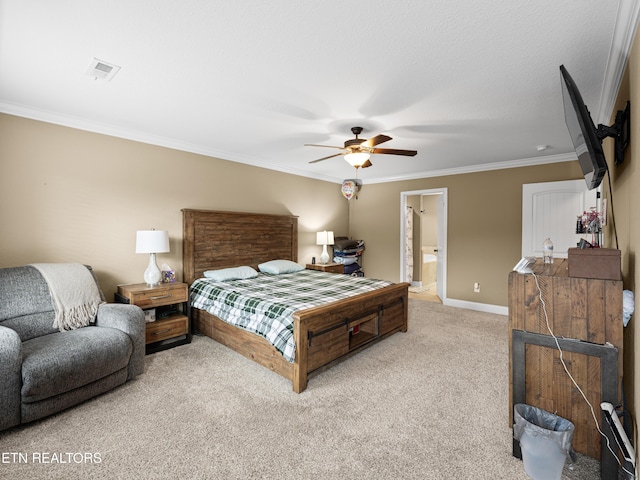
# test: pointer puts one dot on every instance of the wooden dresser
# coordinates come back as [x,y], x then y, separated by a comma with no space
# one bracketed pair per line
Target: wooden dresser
[581,309]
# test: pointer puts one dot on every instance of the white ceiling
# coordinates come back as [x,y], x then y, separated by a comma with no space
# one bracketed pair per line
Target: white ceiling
[469,84]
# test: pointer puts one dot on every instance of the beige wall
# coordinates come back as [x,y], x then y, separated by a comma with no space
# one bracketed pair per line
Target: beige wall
[626,200]
[484,226]
[429,220]
[627,188]
[72,196]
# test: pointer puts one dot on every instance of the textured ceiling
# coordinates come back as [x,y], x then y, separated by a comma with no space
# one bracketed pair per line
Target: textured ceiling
[468,84]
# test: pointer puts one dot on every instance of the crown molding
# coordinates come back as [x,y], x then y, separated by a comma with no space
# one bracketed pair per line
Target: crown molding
[525,162]
[136,136]
[621,43]
[127,134]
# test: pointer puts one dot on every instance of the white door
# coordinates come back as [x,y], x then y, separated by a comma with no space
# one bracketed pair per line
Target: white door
[550,210]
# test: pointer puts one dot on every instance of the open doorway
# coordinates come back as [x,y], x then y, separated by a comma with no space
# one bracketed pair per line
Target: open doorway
[423,241]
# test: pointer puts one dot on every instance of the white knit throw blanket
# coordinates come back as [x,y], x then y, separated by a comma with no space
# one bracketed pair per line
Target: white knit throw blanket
[74,293]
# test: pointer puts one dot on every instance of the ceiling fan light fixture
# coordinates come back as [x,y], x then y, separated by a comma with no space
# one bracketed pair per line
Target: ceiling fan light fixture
[357,151]
[356,159]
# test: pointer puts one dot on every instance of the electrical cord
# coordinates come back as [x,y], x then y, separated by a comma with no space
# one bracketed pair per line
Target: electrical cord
[566,369]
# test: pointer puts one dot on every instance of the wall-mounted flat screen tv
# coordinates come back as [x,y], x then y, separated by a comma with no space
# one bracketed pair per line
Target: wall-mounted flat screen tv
[583,132]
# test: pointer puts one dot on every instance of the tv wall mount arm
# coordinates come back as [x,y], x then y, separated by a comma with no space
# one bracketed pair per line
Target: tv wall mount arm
[620,131]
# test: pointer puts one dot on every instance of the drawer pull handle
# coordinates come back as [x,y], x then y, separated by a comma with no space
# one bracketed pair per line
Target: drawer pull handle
[158,297]
[162,331]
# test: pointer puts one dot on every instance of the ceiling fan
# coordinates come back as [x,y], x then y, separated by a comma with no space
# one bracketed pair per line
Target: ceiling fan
[358,150]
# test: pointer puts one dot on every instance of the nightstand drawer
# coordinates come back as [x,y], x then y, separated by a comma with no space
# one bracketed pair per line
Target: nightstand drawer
[167,295]
[167,328]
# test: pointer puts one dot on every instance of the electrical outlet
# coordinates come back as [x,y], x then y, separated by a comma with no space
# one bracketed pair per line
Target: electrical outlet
[476,287]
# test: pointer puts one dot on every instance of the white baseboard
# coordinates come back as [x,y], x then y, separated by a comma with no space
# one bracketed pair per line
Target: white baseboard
[480,307]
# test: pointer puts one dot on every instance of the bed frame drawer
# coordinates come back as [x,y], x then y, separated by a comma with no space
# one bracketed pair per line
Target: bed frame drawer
[327,346]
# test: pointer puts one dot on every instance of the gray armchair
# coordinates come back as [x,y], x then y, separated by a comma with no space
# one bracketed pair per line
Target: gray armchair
[44,370]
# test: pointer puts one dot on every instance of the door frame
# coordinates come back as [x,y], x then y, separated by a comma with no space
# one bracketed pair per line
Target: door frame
[441,275]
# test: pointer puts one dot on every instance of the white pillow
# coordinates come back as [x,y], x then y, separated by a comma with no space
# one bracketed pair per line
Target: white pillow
[235,273]
[276,267]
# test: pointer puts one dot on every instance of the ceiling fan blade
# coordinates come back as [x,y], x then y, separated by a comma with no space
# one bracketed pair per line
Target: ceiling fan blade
[326,146]
[377,140]
[325,158]
[392,151]
[366,164]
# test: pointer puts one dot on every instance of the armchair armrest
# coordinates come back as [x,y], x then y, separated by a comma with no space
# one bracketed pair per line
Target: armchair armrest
[10,378]
[130,320]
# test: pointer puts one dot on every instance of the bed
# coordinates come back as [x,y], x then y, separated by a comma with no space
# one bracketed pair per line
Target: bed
[323,335]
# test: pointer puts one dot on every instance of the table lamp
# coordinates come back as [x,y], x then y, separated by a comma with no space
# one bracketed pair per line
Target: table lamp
[152,242]
[324,238]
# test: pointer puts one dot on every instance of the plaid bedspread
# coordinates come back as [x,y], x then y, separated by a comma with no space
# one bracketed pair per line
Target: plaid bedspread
[265,305]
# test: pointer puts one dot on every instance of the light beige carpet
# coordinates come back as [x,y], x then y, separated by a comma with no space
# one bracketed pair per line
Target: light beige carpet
[431,403]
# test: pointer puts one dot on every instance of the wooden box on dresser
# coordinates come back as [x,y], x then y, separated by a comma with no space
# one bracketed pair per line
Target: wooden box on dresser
[169,330]
[582,309]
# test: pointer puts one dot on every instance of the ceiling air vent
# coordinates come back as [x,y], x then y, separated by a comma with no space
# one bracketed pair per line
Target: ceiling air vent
[100,70]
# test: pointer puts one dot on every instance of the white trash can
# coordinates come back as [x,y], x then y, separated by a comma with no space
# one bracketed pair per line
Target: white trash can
[545,441]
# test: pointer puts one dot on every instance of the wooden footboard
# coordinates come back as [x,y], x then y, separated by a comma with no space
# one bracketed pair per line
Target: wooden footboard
[331,333]
[323,335]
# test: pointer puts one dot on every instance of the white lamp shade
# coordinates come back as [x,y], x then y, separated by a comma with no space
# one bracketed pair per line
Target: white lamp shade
[324,238]
[356,159]
[152,241]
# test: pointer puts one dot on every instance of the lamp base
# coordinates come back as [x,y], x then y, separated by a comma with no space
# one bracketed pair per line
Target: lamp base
[324,256]
[152,274]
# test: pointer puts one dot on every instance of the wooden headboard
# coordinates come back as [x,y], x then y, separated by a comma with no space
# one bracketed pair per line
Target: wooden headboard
[215,239]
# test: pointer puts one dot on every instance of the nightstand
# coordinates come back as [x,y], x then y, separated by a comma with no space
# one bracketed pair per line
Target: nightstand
[326,267]
[168,302]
